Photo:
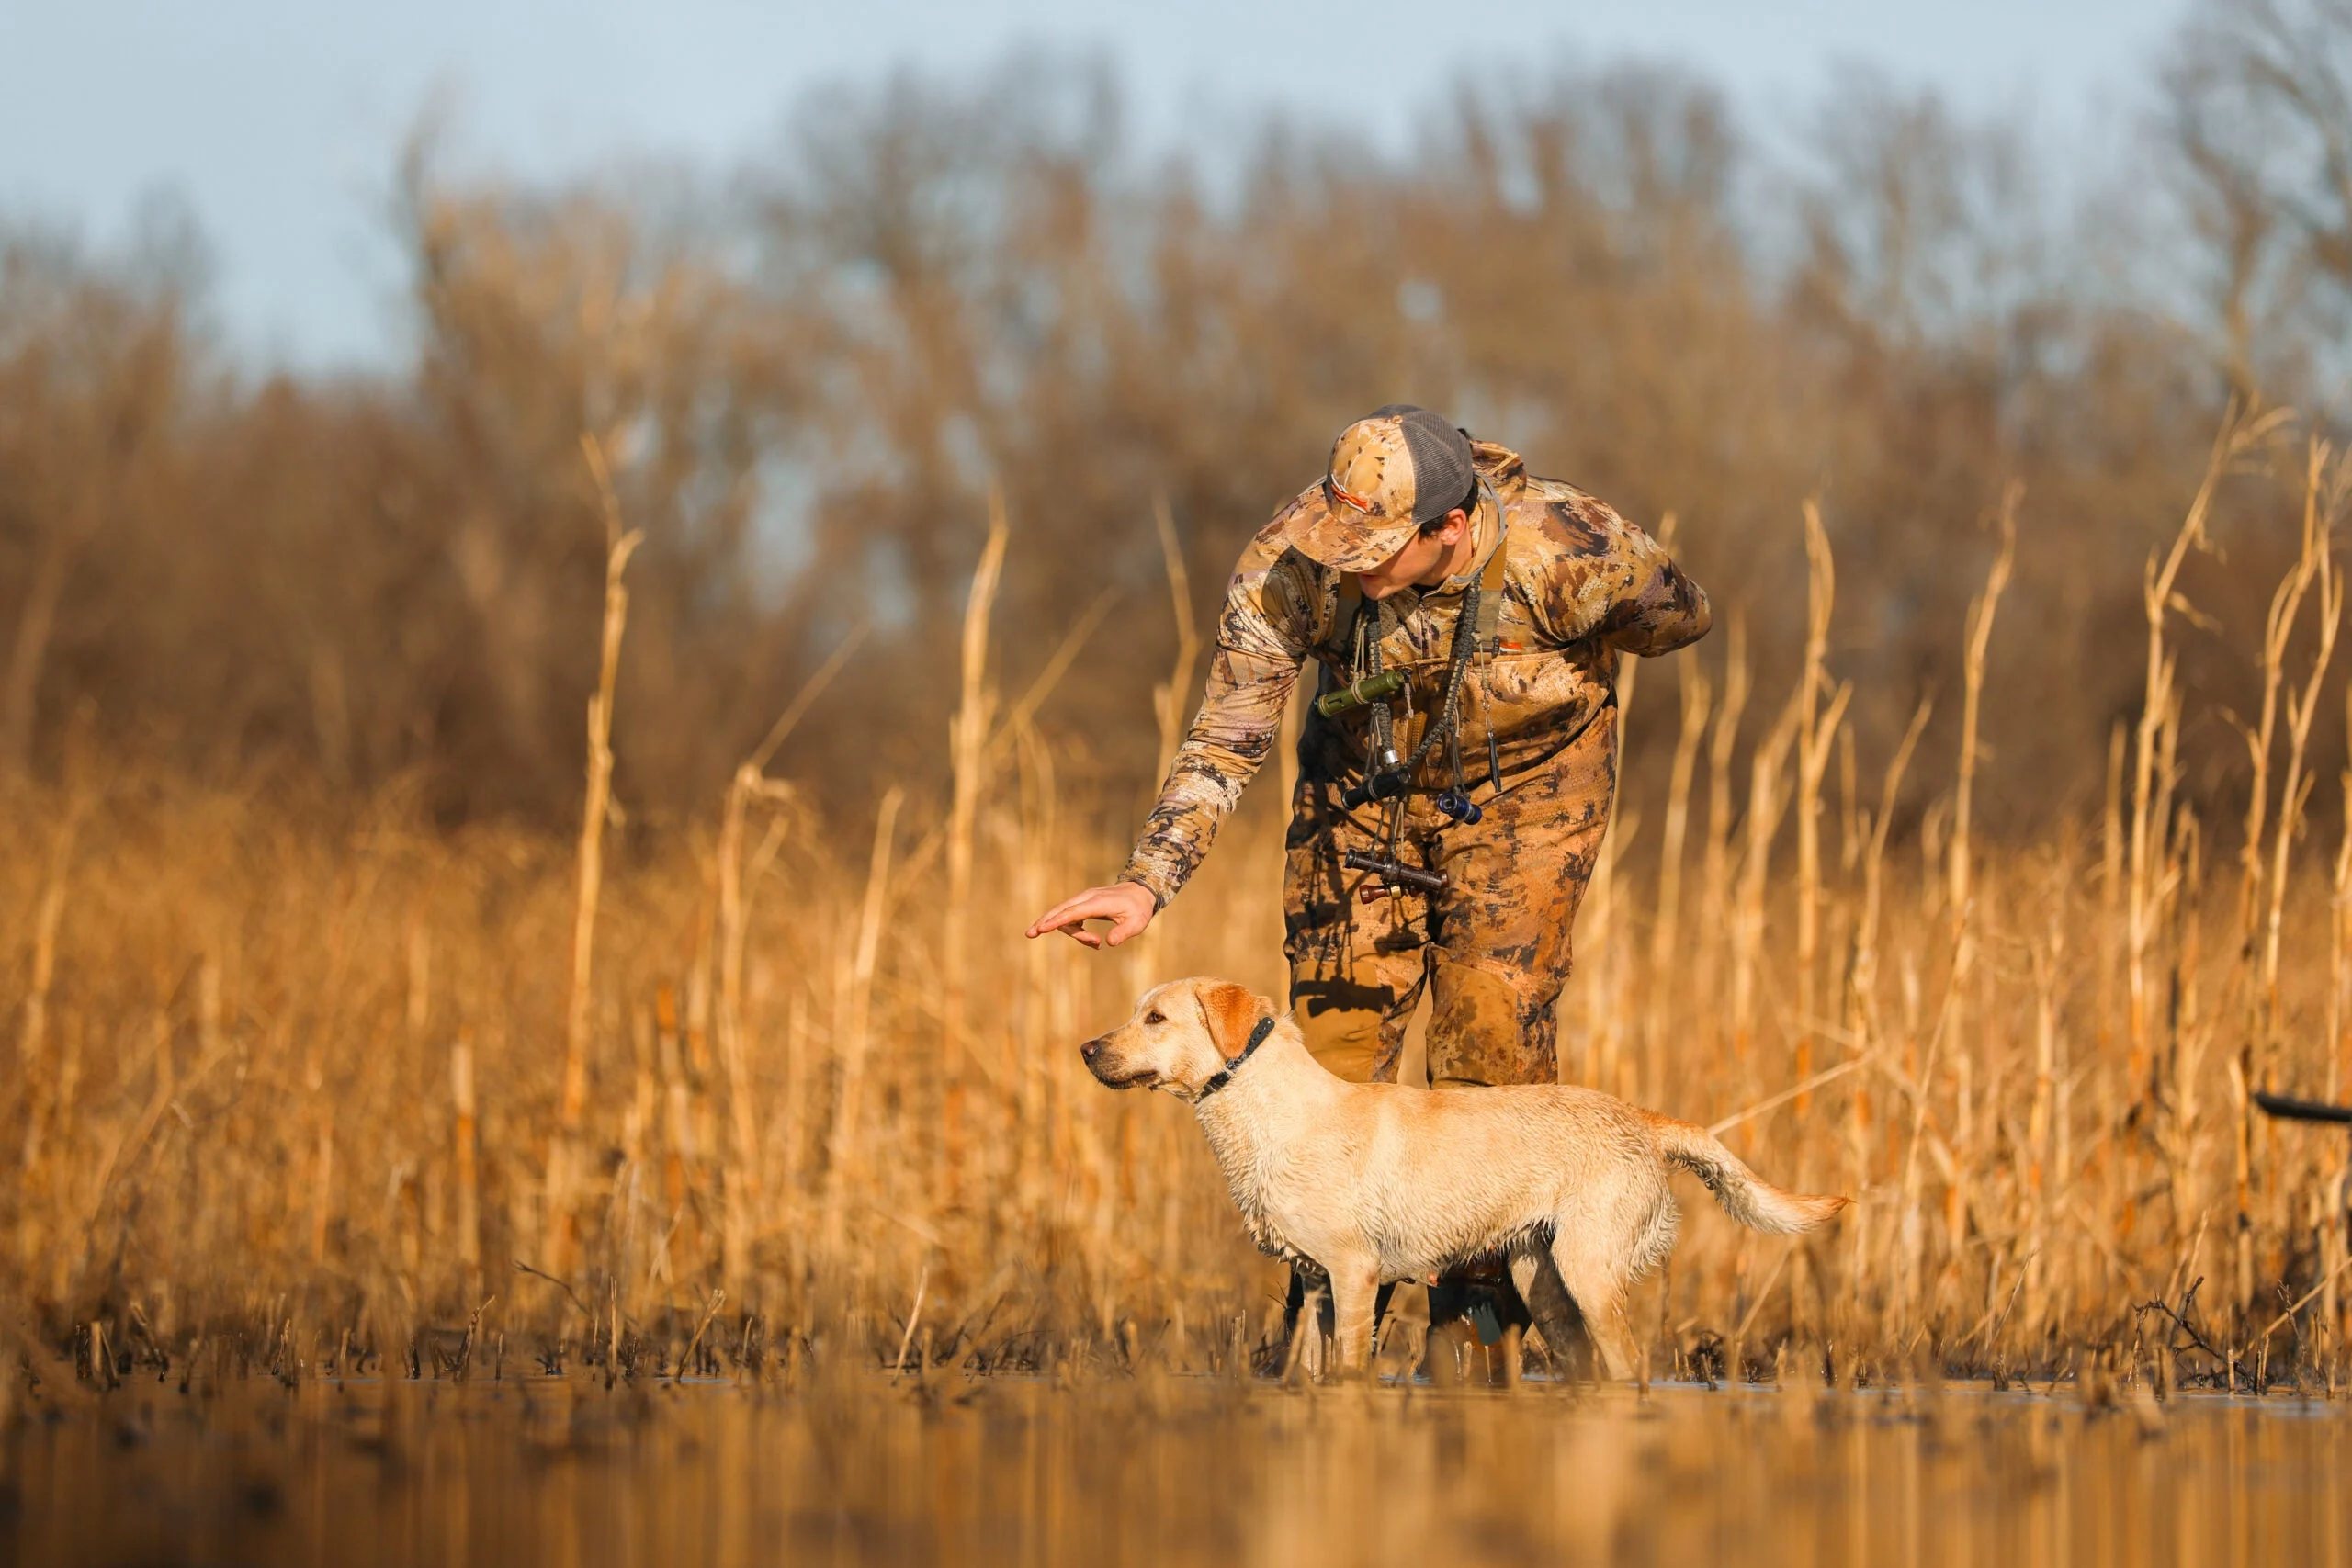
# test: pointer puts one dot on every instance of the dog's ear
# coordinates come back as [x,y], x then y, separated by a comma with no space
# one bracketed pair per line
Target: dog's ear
[1231,1011]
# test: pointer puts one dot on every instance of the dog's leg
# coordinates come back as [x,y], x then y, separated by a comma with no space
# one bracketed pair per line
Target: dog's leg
[1598,1288]
[1296,1309]
[1555,1311]
[1356,1286]
[1307,1325]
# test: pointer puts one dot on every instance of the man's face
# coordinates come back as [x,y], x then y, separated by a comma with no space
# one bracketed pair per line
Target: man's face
[1421,563]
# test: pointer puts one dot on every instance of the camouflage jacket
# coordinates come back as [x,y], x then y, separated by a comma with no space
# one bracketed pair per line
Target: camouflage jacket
[1582,587]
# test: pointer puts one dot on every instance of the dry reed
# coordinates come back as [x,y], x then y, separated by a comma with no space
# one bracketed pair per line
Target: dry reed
[299,1076]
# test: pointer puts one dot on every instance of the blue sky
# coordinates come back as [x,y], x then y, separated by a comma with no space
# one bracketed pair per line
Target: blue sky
[276,122]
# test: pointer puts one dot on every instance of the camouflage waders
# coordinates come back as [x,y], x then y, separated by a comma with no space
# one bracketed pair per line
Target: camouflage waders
[1493,949]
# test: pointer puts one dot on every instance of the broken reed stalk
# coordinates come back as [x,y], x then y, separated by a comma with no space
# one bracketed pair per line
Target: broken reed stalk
[1862,1011]
[2258,1064]
[1864,1031]
[2324,490]
[564,1156]
[2249,975]
[2339,948]
[1981,611]
[1768,803]
[741,1183]
[322,1185]
[2045,1136]
[1950,1035]
[1034,871]
[967,737]
[32,1031]
[1714,863]
[2278,626]
[1697,696]
[463,1142]
[914,1315]
[737,880]
[2110,879]
[853,1018]
[1814,733]
[685,1360]
[2151,783]
[1959,888]
[790,1131]
[803,700]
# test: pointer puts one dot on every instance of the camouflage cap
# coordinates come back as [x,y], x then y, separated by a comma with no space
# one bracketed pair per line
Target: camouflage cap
[1390,472]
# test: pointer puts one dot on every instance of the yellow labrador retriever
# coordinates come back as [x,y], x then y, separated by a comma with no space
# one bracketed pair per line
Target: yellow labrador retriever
[1372,1182]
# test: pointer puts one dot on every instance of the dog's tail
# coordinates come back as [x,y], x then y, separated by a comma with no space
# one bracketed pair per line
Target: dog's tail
[1745,1196]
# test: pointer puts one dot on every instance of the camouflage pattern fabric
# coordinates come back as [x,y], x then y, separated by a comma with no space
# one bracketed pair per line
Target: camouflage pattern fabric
[1583,588]
[1364,511]
[1493,949]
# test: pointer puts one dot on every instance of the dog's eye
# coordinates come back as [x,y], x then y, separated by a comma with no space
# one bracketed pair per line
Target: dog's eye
[1154,1016]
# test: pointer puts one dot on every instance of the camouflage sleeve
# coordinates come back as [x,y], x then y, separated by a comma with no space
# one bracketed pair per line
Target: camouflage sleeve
[1262,636]
[1610,579]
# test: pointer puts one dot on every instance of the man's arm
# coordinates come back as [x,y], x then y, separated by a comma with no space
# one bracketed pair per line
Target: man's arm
[1610,579]
[1262,639]
[1660,609]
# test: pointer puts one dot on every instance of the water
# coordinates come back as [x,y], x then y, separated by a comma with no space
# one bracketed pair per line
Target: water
[1161,1469]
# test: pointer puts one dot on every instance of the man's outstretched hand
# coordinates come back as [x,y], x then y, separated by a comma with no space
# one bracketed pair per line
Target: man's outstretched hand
[1128,906]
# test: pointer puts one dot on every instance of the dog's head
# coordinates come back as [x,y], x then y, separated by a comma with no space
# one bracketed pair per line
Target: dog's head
[1181,1035]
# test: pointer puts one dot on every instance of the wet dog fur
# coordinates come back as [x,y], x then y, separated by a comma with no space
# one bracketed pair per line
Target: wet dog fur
[1374,1183]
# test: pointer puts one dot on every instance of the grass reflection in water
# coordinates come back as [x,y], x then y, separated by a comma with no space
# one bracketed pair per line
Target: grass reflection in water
[860,1469]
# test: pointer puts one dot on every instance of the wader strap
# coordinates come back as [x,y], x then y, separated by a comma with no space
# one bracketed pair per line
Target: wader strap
[1341,637]
[1491,582]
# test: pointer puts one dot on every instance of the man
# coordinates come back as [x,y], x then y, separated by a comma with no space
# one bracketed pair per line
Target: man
[1457,770]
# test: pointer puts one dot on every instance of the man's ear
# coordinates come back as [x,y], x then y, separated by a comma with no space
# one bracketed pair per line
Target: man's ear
[1231,1012]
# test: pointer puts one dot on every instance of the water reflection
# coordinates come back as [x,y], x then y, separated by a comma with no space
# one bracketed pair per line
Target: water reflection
[1162,1469]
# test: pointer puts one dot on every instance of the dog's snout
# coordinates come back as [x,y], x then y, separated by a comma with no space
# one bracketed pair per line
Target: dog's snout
[1087,1051]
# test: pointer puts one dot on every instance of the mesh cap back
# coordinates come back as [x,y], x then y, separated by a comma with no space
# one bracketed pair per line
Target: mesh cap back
[1442,475]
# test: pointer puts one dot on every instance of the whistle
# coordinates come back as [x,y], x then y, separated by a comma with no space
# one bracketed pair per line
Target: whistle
[1357,693]
[1379,786]
[1458,805]
[1396,875]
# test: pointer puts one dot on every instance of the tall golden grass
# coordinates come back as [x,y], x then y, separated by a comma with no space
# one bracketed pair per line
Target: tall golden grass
[313,1076]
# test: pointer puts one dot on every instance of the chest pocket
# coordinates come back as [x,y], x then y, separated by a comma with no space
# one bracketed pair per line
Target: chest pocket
[1529,687]
[1553,689]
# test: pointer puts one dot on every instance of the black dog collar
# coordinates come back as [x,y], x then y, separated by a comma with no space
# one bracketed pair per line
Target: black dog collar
[1224,1074]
